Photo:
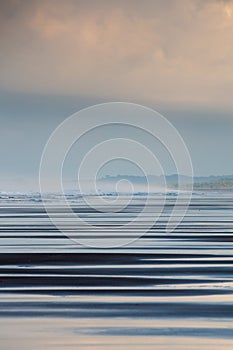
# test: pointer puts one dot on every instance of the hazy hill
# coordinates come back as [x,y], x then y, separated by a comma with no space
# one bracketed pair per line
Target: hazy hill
[202,182]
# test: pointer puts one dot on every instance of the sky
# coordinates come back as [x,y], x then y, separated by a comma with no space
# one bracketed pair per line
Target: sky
[58,57]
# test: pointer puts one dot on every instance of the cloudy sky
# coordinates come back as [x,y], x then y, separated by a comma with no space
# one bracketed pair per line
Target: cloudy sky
[57,57]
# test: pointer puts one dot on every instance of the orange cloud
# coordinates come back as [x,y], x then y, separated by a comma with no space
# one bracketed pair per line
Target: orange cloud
[178,54]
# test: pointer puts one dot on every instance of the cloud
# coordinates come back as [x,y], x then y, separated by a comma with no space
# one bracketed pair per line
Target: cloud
[175,53]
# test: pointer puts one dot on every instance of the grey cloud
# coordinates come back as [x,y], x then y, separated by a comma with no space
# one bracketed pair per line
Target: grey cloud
[175,52]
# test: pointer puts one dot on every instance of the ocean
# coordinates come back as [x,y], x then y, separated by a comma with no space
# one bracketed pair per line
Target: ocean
[158,290]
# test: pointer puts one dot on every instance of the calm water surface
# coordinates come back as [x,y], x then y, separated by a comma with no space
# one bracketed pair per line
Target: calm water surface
[163,291]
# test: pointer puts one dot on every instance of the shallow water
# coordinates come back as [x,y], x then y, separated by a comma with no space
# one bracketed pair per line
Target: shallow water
[163,291]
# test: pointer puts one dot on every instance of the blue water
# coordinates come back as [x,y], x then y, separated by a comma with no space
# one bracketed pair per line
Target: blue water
[162,291]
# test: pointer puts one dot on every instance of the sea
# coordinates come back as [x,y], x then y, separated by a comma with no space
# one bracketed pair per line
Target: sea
[84,288]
